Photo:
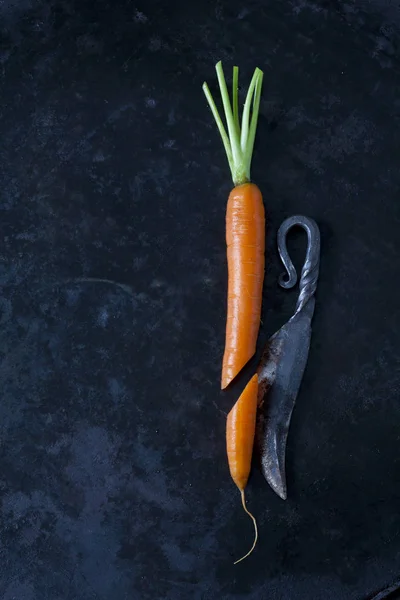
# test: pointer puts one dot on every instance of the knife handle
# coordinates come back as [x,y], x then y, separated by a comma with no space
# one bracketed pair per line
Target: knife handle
[310,270]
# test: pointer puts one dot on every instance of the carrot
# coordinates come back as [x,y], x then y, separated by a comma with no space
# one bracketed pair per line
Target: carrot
[240,431]
[245,224]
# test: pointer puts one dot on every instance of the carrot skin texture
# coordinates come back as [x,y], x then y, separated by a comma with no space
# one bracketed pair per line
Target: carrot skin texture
[245,239]
[240,432]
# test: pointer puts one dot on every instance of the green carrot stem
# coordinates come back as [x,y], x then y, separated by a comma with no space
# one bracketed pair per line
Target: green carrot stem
[235,98]
[238,140]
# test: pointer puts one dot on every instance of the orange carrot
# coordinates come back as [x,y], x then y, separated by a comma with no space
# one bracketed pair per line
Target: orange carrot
[245,238]
[245,225]
[240,431]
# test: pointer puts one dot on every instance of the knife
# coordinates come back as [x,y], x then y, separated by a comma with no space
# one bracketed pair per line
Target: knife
[285,357]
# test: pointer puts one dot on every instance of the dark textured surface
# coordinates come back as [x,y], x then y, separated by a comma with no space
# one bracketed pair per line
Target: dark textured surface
[113,480]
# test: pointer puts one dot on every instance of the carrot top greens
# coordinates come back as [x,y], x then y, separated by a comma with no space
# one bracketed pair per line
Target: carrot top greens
[239,141]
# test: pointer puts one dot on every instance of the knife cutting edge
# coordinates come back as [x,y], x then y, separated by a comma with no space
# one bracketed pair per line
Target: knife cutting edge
[285,357]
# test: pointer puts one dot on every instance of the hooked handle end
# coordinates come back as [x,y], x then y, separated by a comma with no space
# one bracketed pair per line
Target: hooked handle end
[310,270]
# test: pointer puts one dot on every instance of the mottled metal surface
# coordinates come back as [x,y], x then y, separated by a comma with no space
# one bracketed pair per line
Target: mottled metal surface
[285,357]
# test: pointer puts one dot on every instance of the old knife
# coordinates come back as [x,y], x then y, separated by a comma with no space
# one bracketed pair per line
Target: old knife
[285,357]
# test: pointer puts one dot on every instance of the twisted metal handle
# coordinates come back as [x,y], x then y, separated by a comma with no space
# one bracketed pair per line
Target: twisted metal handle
[310,270]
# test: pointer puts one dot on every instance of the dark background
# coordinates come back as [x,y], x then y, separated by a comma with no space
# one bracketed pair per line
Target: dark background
[113,185]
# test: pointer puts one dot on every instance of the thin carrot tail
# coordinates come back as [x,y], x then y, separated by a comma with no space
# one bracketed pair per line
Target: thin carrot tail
[255,529]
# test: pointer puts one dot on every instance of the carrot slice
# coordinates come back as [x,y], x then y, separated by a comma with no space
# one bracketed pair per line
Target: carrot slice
[240,431]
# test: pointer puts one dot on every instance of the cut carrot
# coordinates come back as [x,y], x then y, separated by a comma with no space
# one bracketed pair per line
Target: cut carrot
[240,431]
[245,238]
[245,224]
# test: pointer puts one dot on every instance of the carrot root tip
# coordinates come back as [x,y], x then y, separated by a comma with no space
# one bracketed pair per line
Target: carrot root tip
[255,529]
